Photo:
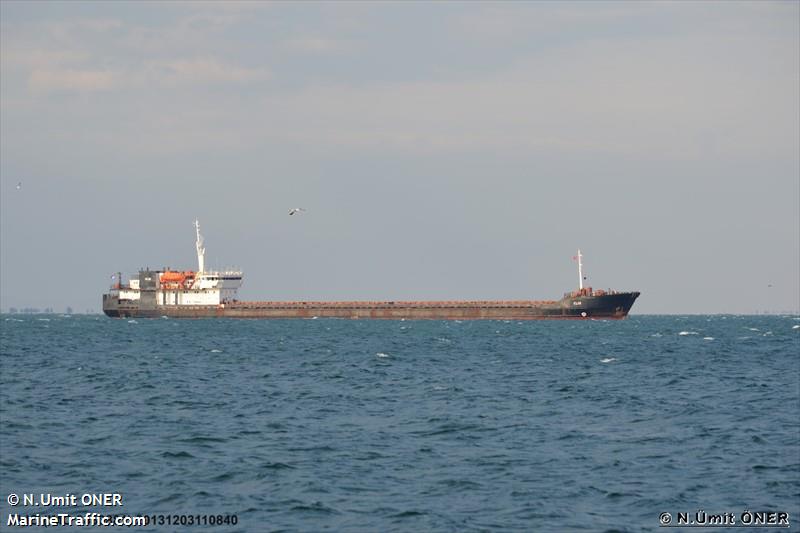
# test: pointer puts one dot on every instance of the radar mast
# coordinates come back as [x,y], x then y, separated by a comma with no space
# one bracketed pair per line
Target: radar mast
[201,251]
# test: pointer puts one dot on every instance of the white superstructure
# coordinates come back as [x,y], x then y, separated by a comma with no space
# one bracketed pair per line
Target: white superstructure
[170,287]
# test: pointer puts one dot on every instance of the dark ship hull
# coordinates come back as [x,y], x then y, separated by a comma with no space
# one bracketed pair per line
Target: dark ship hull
[583,304]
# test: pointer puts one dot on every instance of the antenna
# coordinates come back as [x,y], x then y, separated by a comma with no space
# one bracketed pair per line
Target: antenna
[201,251]
[580,269]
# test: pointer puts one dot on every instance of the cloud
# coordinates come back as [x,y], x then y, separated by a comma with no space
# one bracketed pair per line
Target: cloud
[202,71]
[660,98]
[57,70]
[316,45]
[73,72]
[495,24]
[72,80]
[103,54]
[33,58]
[193,33]
[726,88]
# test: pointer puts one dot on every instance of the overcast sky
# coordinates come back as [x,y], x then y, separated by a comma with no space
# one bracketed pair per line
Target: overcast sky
[442,150]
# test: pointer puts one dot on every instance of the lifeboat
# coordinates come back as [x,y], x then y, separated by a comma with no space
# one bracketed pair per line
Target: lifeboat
[172,277]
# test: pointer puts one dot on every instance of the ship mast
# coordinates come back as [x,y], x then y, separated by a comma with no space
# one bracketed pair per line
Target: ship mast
[201,251]
[580,269]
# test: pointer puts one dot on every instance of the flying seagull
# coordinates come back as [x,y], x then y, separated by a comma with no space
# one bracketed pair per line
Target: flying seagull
[19,186]
[295,210]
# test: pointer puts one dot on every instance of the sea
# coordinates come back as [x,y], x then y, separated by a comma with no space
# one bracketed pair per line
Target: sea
[383,426]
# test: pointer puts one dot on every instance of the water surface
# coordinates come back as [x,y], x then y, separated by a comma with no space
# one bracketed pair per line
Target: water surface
[406,425]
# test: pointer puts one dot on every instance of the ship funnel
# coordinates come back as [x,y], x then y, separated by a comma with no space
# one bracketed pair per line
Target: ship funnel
[201,251]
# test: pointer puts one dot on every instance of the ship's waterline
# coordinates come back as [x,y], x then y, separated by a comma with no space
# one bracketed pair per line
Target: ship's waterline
[203,294]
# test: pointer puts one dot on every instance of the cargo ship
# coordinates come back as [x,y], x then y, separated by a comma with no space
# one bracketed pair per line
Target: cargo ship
[213,294]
